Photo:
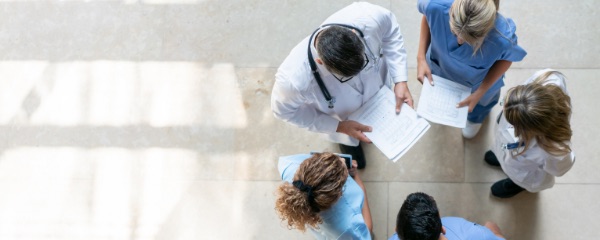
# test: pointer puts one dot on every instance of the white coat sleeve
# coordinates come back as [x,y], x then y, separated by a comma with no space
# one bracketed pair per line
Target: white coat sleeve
[394,53]
[558,167]
[290,105]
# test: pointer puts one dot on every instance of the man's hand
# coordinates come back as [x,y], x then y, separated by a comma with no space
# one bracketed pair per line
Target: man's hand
[470,101]
[354,129]
[423,71]
[402,95]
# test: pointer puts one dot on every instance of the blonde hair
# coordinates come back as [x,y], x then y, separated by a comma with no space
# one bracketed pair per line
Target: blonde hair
[541,111]
[326,175]
[472,20]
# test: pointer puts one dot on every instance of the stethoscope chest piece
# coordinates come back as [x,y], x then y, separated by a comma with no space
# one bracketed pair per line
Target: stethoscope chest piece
[331,102]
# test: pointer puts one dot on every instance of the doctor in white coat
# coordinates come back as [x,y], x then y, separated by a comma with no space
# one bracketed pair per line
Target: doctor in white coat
[533,135]
[354,53]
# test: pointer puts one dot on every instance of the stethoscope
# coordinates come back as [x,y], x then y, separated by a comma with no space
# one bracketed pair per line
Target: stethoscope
[313,66]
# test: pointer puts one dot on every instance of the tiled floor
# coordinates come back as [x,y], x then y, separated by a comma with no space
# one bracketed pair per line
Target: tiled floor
[150,119]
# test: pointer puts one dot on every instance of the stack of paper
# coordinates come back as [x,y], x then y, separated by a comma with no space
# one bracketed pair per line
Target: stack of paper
[438,103]
[392,133]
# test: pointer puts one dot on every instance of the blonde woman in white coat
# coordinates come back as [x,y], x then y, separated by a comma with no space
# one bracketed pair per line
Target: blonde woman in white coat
[533,135]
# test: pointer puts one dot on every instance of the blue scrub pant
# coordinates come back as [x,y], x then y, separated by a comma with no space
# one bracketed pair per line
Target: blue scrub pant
[483,107]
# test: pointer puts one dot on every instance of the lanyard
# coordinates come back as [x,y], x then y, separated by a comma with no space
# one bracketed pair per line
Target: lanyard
[313,65]
[513,145]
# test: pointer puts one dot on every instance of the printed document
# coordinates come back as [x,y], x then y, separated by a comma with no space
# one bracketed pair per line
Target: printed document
[438,102]
[394,134]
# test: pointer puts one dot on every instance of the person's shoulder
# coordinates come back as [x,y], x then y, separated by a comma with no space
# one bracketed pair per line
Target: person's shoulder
[287,165]
[295,70]
[503,40]
[437,5]
[505,30]
[460,228]
[555,78]
[454,221]
[435,11]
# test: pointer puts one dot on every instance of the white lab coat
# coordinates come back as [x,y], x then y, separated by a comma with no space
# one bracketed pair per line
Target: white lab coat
[535,169]
[296,96]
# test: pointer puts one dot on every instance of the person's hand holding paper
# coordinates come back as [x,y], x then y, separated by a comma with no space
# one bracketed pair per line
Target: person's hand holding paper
[354,129]
[471,100]
[402,95]
[439,103]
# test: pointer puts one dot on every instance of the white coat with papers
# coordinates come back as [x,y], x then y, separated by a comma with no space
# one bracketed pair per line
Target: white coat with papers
[535,169]
[296,96]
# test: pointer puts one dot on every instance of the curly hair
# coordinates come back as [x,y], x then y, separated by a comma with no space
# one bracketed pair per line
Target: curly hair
[541,111]
[327,176]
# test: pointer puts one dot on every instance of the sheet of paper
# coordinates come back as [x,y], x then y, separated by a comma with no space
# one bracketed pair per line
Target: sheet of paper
[438,103]
[394,134]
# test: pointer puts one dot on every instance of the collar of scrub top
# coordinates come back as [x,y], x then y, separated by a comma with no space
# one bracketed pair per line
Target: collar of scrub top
[313,65]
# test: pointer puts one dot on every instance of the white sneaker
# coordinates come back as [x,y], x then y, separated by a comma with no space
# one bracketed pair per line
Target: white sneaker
[471,130]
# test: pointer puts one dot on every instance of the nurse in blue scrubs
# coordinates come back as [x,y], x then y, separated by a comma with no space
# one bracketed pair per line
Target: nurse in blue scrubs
[324,195]
[468,42]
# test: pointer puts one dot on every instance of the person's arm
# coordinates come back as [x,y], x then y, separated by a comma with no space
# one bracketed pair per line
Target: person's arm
[558,167]
[289,105]
[423,69]
[394,54]
[497,69]
[494,228]
[366,212]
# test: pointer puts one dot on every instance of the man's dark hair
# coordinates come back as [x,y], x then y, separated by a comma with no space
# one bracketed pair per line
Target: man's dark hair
[341,50]
[419,218]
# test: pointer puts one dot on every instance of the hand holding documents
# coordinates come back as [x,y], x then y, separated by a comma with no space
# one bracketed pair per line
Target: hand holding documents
[392,133]
[438,103]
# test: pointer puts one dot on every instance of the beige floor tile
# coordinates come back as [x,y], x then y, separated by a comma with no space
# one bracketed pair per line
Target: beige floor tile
[247,208]
[377,194]
[239,30]
[436,157]
[558,39]
[526,216]
[264,139]
[46,208]
[409,18]
[79,30]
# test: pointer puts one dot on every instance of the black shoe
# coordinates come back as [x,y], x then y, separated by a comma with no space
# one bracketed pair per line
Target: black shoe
[506,188]
[357,154]
[490,158]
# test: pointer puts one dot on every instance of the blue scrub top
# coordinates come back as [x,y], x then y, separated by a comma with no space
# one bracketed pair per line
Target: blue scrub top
[344,220]
[461,229]
[450,60]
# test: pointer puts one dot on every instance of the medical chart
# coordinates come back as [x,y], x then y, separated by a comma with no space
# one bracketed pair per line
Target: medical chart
[394,134]
[438,102]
